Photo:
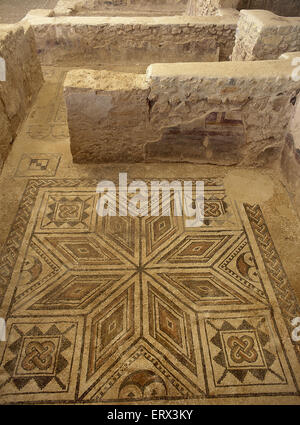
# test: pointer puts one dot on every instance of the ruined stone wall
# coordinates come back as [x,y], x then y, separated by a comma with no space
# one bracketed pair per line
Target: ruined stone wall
[82,41]
[196,112]
[263,35]
[242,113]
[73,7]
[23,80]
[210,7]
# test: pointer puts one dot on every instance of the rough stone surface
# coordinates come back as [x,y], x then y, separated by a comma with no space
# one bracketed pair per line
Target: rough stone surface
[78,41]
[23,80]
[263,93]
[140,7]
[262,35]
[206,113]
[108,115]
[210,7]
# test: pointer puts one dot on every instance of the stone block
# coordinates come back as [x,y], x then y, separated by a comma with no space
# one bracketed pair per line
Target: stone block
[262,35]
[108,115]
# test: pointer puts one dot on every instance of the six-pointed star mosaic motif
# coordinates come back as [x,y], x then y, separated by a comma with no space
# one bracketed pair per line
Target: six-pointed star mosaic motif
[104,309]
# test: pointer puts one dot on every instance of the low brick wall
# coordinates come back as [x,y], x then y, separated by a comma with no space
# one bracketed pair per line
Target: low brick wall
[23,80]
[263,35]
[82,41]
[198,112]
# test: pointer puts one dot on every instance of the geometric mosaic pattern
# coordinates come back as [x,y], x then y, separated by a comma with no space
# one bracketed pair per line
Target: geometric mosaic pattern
[35,165]
[105,309]
[37,356]
[243,352]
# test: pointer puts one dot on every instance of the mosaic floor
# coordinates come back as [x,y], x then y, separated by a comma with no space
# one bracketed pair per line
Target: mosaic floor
[140,310]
